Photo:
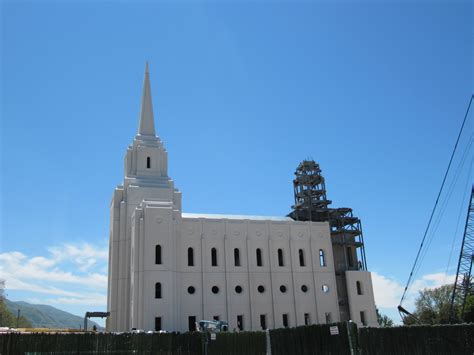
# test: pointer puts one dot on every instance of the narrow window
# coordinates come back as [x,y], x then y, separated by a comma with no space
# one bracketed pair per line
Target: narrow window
[148,162]
[259,257]
[362,318]
[240,322]
[285,320]
[328,317]
[192,323]
[216,318]
[190,257]
[307,320]
[322,258]
[214,256]
[350,258]
[263,321]
[236,257]
[158,254]
[301,255]
[157,323]
[359,288]
[158,290]
[280,257]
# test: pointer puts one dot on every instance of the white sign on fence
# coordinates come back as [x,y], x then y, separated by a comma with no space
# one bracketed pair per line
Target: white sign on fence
[334,330]
[213,336]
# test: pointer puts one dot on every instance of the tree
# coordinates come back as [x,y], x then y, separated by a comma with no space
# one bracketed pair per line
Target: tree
[384,320]
[469,309]
[433,306]
[7,319]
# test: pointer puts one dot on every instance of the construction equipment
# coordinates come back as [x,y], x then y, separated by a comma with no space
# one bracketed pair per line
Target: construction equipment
[311,204]
[463,284]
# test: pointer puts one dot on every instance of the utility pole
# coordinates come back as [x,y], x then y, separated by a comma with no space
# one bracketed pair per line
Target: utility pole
[18,318]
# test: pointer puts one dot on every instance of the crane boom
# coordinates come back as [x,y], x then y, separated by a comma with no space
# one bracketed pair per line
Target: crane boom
[463,285]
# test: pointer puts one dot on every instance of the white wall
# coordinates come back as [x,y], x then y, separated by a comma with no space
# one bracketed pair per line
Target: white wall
[361,302]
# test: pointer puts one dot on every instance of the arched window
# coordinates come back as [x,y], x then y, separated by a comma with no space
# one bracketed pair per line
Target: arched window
[158,290]
[158,254]
[280,258]
[236,257]
[301,256]
[322,258]
[214,257]
[259,257]
[359,288]
[148,162]
[190,256]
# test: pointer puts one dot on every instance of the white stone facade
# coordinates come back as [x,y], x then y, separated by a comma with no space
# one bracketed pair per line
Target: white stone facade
[168,269]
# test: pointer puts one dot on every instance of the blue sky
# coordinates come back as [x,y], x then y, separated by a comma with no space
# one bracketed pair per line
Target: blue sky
[243,91]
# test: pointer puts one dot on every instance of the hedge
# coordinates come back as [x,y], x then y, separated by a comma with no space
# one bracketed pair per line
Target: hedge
[436,339]
[314,339]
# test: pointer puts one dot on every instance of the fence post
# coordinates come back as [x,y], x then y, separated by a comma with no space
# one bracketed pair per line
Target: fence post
[352,334]
[268,341]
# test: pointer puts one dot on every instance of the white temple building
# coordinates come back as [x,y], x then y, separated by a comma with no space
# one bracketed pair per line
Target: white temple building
[169,269]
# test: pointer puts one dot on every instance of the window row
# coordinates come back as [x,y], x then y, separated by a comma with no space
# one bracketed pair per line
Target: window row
[237,261]
[238,289]
[285,318]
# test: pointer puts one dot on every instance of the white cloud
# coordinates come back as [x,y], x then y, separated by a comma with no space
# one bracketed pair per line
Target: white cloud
[76,273]
[84,256]
[388,291]
[92,299]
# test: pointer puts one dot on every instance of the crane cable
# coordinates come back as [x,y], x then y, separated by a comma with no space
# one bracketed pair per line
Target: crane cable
[461,207]
[443,205]
[436,202]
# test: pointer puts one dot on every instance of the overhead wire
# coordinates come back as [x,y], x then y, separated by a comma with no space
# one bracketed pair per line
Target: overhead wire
[461,208]
[436,202]
[444,204]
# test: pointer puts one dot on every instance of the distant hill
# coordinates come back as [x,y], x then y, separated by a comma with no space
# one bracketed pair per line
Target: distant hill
[43,316]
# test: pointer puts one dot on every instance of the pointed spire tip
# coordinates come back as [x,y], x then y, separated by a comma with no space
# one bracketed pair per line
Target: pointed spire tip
[147,124]
[146,67]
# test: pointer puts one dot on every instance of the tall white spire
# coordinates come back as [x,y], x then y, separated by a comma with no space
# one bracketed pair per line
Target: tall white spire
[147,121]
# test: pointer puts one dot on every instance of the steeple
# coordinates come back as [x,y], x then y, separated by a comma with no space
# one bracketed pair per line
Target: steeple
[147,122]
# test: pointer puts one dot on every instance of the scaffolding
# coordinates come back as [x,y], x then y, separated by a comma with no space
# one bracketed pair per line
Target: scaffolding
[311,204]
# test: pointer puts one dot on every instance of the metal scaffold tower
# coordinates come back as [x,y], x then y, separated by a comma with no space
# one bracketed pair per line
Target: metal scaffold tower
[311,204]
[463,284]
[309,188]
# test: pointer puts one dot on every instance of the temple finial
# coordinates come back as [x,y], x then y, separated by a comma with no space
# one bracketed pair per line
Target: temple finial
[147,121]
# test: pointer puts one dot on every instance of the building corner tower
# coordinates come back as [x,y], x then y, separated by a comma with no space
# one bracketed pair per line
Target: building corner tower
[146,197]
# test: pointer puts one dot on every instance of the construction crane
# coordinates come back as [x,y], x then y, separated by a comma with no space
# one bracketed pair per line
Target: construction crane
[425,242]
[463,285]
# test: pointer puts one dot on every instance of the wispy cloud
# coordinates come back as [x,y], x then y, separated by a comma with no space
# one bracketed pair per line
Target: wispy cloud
[84,256]
[388,290]
[72,272]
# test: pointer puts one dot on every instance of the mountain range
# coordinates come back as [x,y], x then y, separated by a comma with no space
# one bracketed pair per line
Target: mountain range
[44,316]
